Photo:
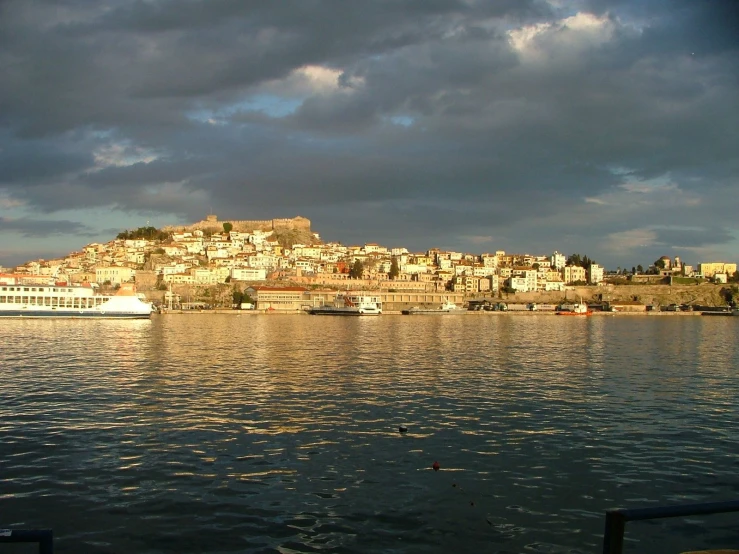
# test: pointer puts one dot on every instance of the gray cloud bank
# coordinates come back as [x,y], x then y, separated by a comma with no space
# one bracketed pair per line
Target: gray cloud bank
[605,127]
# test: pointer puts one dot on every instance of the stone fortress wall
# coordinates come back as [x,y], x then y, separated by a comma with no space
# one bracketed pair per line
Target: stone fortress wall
[211,222]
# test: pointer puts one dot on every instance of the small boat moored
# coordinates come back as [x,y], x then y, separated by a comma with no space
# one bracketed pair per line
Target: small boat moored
[578,308]
[350,304]
[446,308]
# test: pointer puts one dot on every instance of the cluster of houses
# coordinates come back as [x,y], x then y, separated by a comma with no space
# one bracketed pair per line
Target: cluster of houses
[200,259]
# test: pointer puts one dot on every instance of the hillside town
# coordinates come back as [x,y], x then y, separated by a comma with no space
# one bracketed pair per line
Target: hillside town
[212,252]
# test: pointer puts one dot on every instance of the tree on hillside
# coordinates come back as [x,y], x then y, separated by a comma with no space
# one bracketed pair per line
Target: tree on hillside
[394,268]
[227,227]
[237,296]
[660,264]
[146,233]
[579,261]
[640,269]
[357,270]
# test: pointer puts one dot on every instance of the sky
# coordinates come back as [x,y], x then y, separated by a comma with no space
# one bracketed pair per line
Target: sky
[608,128]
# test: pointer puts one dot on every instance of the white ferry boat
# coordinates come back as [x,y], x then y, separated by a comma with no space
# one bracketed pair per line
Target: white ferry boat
[350,304]
[71,301]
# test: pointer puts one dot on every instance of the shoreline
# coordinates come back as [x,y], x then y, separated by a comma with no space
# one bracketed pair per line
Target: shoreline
[524,313]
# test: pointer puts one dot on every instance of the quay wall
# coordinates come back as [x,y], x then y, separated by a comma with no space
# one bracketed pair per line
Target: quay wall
[706,294]
[662,295]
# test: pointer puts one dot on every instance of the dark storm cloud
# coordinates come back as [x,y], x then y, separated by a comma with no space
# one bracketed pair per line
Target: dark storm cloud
[690,238]
[443,125]
[25,163]
[28,227]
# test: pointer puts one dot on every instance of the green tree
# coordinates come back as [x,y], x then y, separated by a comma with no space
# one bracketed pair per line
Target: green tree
[574,260]
[730,294]
[734,278]
[394,268]
[238,296]
[148,233]
[659,264]
[640,269]
[357,270]
[227,227]
[580,260]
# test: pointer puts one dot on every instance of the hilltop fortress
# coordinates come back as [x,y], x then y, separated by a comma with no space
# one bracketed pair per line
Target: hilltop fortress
[211,222]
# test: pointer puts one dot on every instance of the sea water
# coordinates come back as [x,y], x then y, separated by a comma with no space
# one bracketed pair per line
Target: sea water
[272,433]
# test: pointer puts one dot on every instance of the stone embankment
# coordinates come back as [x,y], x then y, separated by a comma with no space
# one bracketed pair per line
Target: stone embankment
[705,294]
[652,295]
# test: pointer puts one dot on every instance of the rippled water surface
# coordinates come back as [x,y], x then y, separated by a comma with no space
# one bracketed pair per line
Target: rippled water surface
[218,433]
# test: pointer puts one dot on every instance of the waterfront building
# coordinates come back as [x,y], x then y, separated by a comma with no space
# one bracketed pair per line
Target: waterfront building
[278,299]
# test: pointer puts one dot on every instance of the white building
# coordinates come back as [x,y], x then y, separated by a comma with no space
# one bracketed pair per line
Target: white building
[519,284]
[248,274]
[114,274]
[558,260]
[595,274]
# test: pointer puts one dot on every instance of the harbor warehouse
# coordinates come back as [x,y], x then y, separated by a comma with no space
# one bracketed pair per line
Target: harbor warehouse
[282,299]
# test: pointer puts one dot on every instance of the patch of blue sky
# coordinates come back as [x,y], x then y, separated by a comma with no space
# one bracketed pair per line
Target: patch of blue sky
[268,104]
[402,120]
[338,144]
[620,170]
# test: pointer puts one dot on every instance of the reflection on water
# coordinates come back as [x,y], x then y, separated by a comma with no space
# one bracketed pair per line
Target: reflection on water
[215,433]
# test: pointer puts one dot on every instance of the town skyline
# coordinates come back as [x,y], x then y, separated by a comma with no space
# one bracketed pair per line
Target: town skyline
[214,251]
[605,127]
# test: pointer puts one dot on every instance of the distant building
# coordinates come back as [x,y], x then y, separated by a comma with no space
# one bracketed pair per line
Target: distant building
[573,274]
[558,260]
[114,274]
[710,269]
[248,274]
[595,274]
[279,299]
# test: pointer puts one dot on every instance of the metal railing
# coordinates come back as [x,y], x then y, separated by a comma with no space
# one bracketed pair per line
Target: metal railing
[613,538]
[44,538]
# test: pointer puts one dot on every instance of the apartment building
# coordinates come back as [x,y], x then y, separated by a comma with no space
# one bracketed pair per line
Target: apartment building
[574,274]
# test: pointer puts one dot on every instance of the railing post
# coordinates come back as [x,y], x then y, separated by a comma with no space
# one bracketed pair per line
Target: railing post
[613,537]
[44,538]
[46,543]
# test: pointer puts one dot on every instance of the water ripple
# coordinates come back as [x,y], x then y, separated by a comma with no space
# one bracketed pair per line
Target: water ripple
[210,433]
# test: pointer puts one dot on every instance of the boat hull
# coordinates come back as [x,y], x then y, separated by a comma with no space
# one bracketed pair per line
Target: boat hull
[341,312]
[434,312]
[71,314]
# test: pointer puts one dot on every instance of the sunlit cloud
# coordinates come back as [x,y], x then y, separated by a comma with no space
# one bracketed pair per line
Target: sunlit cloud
[567,37]
[630,240]
[121,154]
